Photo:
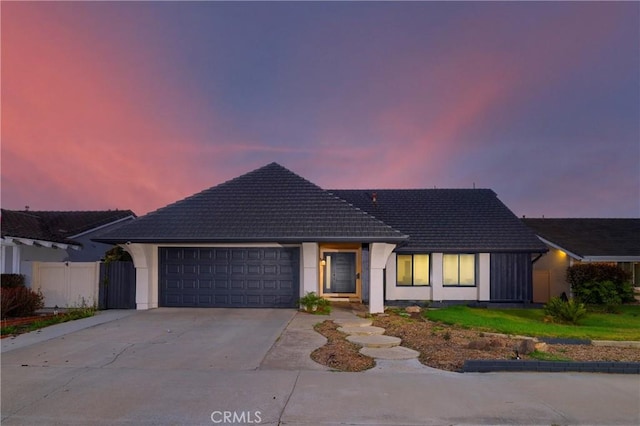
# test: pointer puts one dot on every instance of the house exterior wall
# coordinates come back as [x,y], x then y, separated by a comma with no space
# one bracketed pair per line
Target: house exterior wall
[145,259]
[437,291]
[511,277]
[555,262]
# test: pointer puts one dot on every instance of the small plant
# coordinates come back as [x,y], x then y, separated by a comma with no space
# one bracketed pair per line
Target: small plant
[447,335]
[570,312]
[313,303]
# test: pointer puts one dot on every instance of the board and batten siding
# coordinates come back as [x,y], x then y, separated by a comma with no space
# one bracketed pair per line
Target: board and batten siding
[511,277]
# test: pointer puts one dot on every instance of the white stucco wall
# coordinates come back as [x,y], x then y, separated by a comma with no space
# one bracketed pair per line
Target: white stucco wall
[309,265]
[436,291]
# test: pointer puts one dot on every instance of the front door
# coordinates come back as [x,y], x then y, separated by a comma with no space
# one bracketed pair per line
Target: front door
[340,272]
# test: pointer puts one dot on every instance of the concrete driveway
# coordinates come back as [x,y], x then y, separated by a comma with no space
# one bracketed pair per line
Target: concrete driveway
[214,366]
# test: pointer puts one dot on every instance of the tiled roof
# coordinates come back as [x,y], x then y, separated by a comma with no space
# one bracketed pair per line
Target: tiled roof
[55,226]
[268,204]
[591,237]
[447,220]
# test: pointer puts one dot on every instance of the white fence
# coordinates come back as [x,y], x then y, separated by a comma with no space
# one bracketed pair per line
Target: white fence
[67,284]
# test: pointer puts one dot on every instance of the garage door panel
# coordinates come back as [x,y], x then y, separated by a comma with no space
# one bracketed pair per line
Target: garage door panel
[221,284]
[229,277]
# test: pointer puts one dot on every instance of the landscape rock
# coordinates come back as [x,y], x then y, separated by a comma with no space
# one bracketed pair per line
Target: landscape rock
[413,309]
[541,347]
[525,347]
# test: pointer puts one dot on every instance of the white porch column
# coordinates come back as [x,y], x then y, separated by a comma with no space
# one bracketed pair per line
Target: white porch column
[16,260]
[146,286]
[484,279]
[379,253]
[437,290]
[310,261]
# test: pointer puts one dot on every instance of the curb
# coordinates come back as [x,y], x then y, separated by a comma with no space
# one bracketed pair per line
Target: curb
[489,366]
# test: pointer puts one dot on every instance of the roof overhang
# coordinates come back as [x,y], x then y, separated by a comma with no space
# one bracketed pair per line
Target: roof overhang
[290,240]
[611,259]
[18,241]
[454,250]
[588,258]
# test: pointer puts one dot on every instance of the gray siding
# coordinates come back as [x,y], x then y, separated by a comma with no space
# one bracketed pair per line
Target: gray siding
[511,277]
[365,273]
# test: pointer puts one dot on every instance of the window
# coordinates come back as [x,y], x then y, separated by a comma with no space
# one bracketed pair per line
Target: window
[412,269]
[459,269]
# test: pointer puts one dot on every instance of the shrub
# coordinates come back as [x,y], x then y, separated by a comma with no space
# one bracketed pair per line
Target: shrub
[311,302]
[598,293]
[20,302]
[568,312]
[11,280]
[589,281]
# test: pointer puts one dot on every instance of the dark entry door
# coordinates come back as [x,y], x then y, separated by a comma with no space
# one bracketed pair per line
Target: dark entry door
[340,272]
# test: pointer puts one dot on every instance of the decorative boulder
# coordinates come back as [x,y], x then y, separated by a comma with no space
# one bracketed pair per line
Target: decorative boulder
[541,347]
[527,346]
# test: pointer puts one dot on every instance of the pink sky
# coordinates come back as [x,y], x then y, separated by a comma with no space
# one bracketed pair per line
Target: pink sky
[117,105]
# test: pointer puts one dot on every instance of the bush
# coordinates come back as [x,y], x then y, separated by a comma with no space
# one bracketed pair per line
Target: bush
[570,312]
[11,280]
[598,293]
[598,281]
[311,302]
[20,302]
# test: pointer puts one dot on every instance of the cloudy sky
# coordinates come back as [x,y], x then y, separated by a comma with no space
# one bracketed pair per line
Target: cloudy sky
[136,105]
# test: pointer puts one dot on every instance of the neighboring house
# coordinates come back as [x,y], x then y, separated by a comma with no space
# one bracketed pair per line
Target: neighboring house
[572,241]
[268,237]
[54,236]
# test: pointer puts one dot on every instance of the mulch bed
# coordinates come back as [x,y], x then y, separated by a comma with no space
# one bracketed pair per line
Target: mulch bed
[338,353]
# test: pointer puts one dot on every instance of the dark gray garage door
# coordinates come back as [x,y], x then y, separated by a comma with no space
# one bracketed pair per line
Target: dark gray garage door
[229,277]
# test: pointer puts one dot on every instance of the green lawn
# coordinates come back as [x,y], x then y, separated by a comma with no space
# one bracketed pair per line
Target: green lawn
[529,322]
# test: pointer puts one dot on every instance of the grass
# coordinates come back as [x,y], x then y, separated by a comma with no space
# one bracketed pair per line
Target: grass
[530,322]
[72,314]
[546,356]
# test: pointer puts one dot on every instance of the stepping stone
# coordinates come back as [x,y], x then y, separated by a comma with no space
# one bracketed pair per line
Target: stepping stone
[366,330]
[375,341]
[353,322]
[397,352]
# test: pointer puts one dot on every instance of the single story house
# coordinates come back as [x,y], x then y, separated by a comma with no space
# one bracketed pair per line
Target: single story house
[54,236]
[571,241]
[268,237]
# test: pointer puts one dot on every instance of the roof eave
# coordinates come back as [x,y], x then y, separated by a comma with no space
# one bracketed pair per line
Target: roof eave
[449,250]
[40,243]
[235,240]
